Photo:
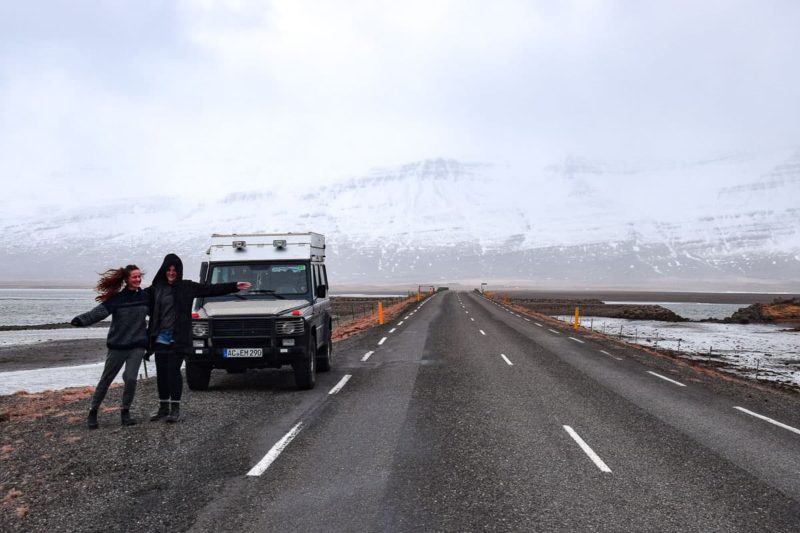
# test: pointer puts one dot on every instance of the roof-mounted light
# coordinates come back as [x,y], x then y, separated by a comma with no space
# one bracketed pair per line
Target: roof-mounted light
[280,244]
[239,245]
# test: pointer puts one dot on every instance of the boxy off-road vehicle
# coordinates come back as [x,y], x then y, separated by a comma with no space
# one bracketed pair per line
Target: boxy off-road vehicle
[283,319]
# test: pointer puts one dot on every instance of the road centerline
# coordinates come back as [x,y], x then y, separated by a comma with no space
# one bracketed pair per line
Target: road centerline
[342,383]
[506,359]
[367,355]
[275,451]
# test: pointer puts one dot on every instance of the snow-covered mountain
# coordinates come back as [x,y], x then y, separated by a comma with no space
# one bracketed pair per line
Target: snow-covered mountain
[726,223]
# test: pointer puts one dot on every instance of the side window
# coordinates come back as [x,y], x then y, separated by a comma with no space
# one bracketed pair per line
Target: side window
[324,276]
[315,277]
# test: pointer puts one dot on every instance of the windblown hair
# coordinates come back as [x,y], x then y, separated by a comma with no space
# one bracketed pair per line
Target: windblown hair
[111,282]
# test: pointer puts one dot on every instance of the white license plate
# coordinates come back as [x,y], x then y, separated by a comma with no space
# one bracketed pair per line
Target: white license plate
[242,352]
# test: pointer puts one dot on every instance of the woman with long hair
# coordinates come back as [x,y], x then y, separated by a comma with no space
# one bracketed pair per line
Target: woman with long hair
[170,329]
[129,307]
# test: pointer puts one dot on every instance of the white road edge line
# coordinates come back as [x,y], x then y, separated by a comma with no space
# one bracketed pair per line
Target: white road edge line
[665,378]
[275,451]
[771,421]
[472,319]
[554,331]
[576,340]
[392,330]
[366,355]
[400,323]
[341,384]
[381,341]
[506,359]
[527,320]
[482,332]
[614,356]
[587,450]
[541,326]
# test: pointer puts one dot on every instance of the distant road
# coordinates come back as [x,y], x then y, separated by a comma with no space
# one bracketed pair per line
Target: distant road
[463,416]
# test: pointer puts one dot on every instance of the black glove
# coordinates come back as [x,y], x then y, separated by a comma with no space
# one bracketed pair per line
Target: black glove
[75,322]
[149,350]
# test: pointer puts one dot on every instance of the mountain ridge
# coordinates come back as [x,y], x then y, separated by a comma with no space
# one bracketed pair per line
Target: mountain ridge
[578,223]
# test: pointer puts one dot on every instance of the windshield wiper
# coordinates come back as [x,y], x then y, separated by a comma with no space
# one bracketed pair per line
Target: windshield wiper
[267,291]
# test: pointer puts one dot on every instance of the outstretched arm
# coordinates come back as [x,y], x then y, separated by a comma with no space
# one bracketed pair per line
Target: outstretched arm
[95,315]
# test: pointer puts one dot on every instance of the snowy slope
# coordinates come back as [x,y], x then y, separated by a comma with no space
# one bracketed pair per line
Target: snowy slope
[729,221]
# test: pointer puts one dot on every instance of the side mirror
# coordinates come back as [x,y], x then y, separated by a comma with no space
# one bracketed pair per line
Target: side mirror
[321,291]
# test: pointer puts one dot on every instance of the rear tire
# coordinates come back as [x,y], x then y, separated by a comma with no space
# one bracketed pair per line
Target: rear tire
[198,375]
[305,370]
[325,356]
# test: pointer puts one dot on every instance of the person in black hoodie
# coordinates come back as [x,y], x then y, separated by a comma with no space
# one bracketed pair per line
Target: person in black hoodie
[170,330]
[127,336]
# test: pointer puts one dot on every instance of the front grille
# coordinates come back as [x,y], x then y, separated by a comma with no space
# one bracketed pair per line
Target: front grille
[241,327]
[292,326]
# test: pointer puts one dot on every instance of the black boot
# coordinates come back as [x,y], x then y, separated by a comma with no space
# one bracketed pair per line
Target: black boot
[126,418]
[163,411]
[91,420]
[175,413]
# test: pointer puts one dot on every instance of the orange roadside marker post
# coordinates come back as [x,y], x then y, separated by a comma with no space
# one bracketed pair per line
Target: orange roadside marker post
[577,322]
[380,313]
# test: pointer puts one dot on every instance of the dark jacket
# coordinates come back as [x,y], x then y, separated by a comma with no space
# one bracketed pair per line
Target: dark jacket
[185,292]
[128,310]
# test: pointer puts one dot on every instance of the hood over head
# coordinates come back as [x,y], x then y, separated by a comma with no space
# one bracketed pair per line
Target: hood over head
[169,260]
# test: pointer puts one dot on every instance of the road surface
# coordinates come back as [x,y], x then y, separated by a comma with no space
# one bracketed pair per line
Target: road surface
[462,415]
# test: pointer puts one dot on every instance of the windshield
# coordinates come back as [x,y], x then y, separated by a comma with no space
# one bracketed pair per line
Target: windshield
[271,280]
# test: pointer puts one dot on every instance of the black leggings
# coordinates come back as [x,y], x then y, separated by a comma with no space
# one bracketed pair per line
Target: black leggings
[168,375]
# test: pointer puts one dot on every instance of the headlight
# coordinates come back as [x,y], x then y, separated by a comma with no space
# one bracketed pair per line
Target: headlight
[200,328]
[295,326]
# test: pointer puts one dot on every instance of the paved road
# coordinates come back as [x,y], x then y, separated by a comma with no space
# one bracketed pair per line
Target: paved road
[464,416]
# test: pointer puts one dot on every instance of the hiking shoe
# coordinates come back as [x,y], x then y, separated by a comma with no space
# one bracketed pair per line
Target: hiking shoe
[175,413]
[163,412]
[126,418]
[91,420]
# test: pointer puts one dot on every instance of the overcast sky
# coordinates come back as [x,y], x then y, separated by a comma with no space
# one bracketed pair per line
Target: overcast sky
[115,99]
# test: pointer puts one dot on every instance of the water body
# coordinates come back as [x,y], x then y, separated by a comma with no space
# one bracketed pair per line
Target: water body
[766,351]
[27,307]
[693,310]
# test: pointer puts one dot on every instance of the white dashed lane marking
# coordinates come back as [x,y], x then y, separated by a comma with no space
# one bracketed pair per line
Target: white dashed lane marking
[587,450]
[766,419]
[366,355]
[275,451]
[610,355]
[506,359]
[665,378]
[341,384]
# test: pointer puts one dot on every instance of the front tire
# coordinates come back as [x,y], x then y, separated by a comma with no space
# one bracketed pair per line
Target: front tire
[305,370]
[198,375]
